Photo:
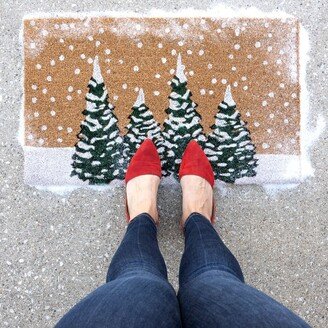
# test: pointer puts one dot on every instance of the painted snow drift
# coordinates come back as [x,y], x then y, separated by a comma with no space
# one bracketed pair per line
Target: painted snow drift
[78,132]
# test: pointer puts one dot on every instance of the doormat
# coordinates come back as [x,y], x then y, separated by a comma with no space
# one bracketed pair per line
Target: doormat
[96,86]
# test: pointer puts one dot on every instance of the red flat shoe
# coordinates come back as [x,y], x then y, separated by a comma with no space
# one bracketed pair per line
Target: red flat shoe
[145,161]
[195,162]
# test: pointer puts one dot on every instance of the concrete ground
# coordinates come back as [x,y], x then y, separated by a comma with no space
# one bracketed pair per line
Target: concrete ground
[54,250]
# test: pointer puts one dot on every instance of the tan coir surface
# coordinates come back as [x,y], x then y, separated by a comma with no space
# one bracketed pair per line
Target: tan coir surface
[258,57]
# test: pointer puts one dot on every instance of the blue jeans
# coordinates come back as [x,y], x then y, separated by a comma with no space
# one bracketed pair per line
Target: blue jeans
[212,291]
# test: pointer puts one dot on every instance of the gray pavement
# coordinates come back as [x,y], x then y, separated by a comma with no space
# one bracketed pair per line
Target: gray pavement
[55,249]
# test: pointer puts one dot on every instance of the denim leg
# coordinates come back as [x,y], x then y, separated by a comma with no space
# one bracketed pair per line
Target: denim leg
[212,290]
[136,293]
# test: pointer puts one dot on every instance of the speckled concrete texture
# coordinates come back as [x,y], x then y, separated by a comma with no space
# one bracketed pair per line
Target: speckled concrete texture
[54,249]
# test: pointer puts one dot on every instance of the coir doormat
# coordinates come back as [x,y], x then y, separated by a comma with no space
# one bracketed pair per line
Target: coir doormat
[96,86]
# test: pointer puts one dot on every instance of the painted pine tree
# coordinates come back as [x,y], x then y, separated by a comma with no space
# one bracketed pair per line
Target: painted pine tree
[182,123]
[142,125]
[229,146]
[98,151]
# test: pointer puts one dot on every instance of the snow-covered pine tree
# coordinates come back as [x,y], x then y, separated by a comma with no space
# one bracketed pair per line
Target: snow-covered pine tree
[142,125]
[98,152]
[229,146]
[182,123]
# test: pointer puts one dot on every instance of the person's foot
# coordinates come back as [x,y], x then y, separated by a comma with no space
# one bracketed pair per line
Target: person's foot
[197,181]
[142,179]
[141,195]
[197,196]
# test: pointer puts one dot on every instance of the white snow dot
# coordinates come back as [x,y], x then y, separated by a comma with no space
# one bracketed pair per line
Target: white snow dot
[181,43]
[279,145]
[32,23]
[139,44]
[90,38]
[218,30]
[245,87]
[52,113]
[266,24]
[61,57]
[70,89]
[271,94]
[235,84]
[265,145]
[121,61]
[234,68]
[156,93]
[231,56]
[115,97]
[49,78]
[44,91]
[52,62]
[34,100]
[249,56]
[60,140]
[30,137]
[237,31]
[44,32]
[279,61]
[160,45]
[79,91]
[185,26]
[211,92]
[69,130]
[167,30]
[98,43]
[38,66]
[264,103]
[269,48]
[52,99]
[237,46]
[172,71]
[248,114]
[189,52]
[138,27]
[243,78]
[164,60]
[293,141]
[271,115]
[257,124]
[157,75]
[124,86]
[270,35]
[136,68]
[201,52]
[286,121]
[269,130]
[44,128]
[294,95]
[224,81]
[32,45]
[34,86]
[286,104]
[191,73]
[101,30]
[36,114]
[281,52]
[107,51]
[71,47]
[59,128]
[90,60]
[257,44]
[202,91]
[209,66]
[282,85]
[173,52]
[41,141]
[69,97]
[278,73]
[265,63]
[82,56]
[61,40]
[214,80]
[136,89]
[77,71]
